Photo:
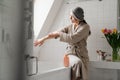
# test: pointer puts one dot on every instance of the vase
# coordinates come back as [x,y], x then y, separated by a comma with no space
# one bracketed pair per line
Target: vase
[66,60]
[115,55]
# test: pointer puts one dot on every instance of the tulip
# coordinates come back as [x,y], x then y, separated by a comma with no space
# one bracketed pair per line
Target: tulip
[115,30]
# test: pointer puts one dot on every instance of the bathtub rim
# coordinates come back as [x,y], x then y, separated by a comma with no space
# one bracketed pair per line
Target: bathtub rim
[43,74]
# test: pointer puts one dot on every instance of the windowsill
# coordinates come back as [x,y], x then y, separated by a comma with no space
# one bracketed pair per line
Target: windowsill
[105,65]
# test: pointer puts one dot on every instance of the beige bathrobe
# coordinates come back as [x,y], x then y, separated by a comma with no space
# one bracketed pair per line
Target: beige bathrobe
[77,42]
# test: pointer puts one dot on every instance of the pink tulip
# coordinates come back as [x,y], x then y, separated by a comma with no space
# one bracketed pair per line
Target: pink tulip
[109,31]
[105,31]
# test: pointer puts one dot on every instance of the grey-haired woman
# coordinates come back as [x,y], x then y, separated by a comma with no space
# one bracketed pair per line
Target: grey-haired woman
[75,35]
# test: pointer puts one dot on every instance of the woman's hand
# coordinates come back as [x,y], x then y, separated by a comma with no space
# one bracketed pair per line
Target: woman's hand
[54,34]
[39,42]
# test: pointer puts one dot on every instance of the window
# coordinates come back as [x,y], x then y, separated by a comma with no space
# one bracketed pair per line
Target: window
[41,10]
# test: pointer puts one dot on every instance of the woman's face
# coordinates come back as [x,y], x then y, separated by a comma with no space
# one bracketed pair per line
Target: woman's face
[73,20]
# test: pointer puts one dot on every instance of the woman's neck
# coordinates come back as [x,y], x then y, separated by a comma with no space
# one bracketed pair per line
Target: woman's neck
[75,26]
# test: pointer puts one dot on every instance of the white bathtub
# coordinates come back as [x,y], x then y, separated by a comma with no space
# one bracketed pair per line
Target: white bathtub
[50,71]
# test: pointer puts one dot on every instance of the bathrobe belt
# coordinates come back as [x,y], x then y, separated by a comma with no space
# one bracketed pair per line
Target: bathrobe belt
[76,50]
[73,49]
[72,46]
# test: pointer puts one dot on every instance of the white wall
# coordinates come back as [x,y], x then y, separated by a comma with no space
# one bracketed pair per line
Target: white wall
[118,15]
[10,47]
[98,15]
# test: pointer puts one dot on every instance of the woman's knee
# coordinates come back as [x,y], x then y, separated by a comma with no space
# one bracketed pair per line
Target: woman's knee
[78,62]
[75,60]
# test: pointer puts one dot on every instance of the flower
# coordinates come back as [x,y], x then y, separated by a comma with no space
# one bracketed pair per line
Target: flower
[115,30]
[112,36]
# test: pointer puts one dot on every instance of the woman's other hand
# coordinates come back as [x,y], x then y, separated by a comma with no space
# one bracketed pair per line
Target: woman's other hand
[54,34]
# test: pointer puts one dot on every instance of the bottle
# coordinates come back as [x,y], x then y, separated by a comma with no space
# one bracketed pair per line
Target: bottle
[99,57]
[66,60]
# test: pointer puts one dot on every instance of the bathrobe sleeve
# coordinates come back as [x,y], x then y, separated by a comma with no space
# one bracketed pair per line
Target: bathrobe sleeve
[64,30]
[82,32]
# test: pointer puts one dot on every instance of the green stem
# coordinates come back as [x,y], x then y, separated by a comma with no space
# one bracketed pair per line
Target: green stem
[115,55]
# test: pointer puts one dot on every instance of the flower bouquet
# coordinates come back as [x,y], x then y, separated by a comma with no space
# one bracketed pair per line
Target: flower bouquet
[113,38]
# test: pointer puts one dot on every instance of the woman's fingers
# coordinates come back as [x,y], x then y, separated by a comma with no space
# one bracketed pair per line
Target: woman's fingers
[41,43]
[38,42]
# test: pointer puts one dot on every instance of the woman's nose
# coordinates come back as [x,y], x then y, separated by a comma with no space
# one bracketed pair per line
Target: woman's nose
[70,17]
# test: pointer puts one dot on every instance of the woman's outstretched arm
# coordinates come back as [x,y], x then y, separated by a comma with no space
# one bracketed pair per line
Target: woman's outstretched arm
[53,35]
[40,41]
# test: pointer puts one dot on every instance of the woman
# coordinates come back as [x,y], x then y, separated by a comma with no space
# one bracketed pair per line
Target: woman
[75,35]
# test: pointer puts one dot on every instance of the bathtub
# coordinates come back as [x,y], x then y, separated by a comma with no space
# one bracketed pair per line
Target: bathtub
[50,71]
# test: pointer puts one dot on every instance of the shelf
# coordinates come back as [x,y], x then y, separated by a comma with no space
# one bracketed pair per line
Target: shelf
[105,65]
